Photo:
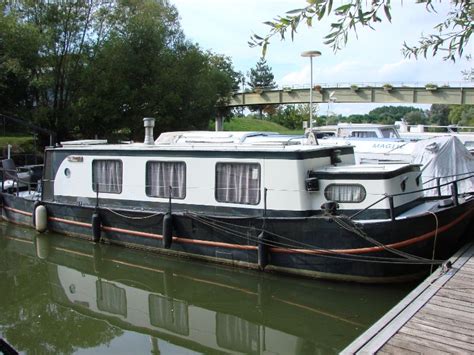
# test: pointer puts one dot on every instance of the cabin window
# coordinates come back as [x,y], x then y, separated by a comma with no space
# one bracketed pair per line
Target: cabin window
[389,133]
[107,176]
[345,193]
[238,183]
[363,134]
[165,176]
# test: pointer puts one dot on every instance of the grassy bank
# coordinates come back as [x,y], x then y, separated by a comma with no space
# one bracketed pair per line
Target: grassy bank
[16,141]
[250,124]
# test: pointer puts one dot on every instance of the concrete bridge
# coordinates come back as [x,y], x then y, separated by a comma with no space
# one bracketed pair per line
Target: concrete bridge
[429,94]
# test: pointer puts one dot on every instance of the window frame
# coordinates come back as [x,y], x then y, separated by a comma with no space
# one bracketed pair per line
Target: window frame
[167,161]
[93,175]
[239,163]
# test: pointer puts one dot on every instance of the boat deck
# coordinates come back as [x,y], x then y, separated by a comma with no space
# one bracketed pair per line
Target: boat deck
[437,317]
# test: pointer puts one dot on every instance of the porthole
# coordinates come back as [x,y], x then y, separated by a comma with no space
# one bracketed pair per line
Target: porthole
[67,172]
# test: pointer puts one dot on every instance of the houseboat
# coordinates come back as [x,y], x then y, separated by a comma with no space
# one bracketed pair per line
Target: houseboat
[252,199]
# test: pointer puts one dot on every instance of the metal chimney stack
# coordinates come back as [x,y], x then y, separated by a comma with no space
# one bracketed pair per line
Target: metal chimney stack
[149,123]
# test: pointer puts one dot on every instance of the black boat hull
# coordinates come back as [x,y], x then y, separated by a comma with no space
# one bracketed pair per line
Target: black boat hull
[316,246]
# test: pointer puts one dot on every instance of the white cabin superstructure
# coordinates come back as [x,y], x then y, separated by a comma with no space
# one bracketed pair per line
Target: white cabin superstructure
[278,168]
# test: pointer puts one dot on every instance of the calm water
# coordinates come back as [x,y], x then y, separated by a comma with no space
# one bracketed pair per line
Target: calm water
[63,295]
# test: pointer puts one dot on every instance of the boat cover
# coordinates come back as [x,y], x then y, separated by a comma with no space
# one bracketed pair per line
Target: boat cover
[444,157]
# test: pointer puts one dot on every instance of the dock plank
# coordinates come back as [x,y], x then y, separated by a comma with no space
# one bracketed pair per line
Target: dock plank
[391,349]
[410,342]
[445,334]
[446,321]
[459,329]
[453,303]
[436,318]
[457,282]
[442,343]
[449,313]
[460,296]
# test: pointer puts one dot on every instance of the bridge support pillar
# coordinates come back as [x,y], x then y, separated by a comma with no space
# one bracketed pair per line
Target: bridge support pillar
[219,123]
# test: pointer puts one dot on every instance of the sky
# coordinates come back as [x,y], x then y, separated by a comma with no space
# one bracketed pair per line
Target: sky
[225,27]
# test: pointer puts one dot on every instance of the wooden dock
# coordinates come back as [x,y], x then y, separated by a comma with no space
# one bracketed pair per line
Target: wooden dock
[435,318]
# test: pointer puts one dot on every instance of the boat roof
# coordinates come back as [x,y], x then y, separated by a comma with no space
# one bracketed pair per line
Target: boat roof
[363,168]
[209,141]
[353,125]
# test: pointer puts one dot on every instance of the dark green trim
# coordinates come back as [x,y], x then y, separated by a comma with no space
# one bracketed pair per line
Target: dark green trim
[366,175]
[148,207]
[157,153]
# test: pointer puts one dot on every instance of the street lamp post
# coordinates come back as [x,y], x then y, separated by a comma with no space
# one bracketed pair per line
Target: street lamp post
[311,54]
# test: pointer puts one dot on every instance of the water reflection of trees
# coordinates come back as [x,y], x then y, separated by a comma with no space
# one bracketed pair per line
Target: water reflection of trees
[31,322]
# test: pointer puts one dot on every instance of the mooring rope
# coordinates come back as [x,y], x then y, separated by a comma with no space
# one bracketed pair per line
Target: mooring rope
[434,240]
[349,225]
[132,217]
[328,253]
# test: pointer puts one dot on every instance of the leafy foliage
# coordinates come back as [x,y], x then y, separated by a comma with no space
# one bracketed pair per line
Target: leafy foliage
[451,37]
[82,68]
[462,115]
[390,114]
[439,114]
[293,116]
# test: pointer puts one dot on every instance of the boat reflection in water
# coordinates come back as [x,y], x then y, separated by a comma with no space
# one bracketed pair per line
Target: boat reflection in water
[197,306]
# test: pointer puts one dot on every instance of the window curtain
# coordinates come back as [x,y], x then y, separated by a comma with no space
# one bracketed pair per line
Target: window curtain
[161,175]
[107,174]
[345,193]
[238,183]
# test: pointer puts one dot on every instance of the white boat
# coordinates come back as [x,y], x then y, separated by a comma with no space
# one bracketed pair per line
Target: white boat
[464,133]
[373,143]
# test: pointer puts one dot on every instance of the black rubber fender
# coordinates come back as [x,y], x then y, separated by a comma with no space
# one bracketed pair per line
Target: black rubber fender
[263,251]
[167,230]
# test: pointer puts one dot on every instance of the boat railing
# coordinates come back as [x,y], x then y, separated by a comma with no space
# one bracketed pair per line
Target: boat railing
[12,174]
[454,193]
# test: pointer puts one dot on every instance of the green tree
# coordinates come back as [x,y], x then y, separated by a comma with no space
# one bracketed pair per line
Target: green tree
[467,117]
[450,38]
[291,116]
[415,117]
[149,69]
[60,37]
[390,114]
[261,77]
[19,46]
[439,114]
[98,67]
[461,114]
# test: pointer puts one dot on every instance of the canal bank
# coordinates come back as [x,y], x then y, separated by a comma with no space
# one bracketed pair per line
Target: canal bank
[64,295]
